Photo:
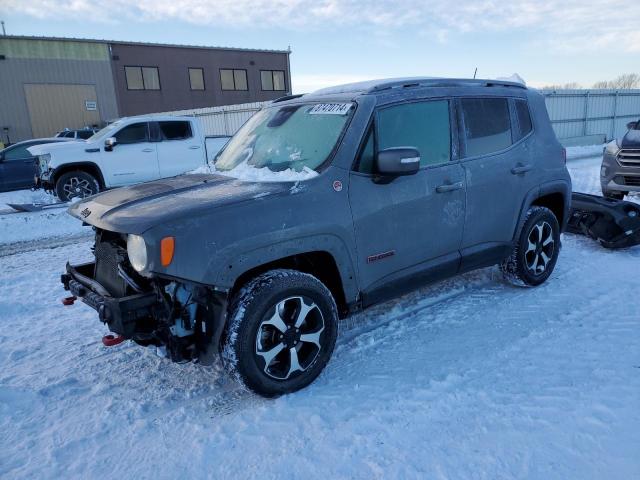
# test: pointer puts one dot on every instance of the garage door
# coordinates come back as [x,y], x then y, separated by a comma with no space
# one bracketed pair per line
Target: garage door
[54,107]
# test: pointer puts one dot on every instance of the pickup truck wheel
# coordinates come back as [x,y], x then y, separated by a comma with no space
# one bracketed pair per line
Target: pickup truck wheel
[76,184]
[536,253]
[281,332]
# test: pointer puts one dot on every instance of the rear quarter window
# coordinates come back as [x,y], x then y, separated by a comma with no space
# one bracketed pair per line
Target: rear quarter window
[524,118]
[487,125]
[175,130]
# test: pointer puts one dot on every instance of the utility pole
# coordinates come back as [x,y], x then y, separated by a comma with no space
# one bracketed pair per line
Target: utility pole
[3,30]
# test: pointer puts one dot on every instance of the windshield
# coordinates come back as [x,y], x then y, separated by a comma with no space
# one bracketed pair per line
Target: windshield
[295,137]
[103,131]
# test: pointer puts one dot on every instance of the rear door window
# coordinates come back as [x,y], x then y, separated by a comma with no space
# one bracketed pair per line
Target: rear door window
[134,133]
[421,125]
[84,134]
[487,125]
[178,130]
[524,118]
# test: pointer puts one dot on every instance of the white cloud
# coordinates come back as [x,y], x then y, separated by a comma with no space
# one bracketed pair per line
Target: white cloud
[562,25]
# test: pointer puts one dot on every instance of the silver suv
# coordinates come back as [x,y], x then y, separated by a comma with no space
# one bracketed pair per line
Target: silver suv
[620,172]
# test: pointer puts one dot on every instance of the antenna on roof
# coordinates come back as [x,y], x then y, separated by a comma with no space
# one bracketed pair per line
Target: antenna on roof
[474,73]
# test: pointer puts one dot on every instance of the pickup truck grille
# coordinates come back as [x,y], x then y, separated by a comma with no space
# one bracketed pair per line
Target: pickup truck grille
[629,157]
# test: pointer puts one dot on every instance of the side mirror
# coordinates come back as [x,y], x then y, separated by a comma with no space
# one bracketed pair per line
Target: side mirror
[397,161]
[109,143]
[631,125]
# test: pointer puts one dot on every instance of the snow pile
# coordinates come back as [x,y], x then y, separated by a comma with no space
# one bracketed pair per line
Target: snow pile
[26,196]
[584,151]
[248,173]
[514,77]
[52,222]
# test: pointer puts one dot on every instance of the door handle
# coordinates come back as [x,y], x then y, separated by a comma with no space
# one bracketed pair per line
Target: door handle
[147,150]
[449,187]
[521,169]
[194,147]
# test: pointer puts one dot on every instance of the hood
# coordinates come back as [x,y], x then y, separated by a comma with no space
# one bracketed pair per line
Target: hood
[140,207]
[631,139]
[53,147]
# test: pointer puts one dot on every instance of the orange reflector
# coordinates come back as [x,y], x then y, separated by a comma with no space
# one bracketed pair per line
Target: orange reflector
[167,245]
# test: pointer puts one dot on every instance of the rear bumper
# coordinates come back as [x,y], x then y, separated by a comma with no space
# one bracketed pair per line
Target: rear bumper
[123,315]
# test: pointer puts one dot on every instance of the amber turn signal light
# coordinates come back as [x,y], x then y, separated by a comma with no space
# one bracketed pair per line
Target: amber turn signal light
[167,246]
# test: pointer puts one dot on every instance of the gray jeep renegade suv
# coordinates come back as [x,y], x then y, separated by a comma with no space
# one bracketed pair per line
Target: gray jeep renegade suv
[405,182]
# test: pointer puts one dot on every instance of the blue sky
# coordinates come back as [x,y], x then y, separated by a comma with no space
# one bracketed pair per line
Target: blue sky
[337,41]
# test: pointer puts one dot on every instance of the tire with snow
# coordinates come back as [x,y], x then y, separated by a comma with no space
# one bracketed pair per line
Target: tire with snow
[76,184]
[282,329]
[536,252]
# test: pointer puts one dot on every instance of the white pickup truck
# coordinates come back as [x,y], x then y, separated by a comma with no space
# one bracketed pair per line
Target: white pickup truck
[128,151]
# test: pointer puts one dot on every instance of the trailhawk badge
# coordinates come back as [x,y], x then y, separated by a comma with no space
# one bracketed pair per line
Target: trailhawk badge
[85,213]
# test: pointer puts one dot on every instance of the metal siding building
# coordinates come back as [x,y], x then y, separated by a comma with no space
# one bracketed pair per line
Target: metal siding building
[51,66]
[48,84]
[173,65]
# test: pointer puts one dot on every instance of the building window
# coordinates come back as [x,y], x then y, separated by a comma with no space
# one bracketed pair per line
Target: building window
[196,78]
[142,78]
[233,79]
[272,80]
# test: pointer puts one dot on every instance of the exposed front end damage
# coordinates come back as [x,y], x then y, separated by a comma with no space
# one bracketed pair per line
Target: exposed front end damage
[185,318]
[613,223]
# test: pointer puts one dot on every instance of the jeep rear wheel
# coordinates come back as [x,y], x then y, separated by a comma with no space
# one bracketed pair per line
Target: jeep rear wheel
[76,184]
[536,253]
[281,333]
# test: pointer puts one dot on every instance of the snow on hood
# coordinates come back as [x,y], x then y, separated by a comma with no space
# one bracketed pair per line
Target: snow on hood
[247,173]
[48,147]
[514,77]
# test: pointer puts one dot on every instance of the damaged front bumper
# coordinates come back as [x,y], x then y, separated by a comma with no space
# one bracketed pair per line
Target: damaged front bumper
[122,315]
[613,223]
[187,319]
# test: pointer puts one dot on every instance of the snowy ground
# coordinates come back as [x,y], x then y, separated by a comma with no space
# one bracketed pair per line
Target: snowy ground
[469,378]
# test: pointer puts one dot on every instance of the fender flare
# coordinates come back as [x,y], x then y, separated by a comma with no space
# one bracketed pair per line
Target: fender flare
[555,186]
[59,170]
[226,270]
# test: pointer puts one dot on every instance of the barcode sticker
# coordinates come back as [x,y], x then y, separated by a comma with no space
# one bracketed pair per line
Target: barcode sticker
[330,109]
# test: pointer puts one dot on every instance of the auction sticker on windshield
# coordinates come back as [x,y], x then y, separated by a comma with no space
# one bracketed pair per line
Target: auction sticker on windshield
[330,109]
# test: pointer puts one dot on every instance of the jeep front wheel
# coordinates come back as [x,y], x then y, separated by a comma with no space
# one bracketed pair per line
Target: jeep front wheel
[76,184]
[281,332]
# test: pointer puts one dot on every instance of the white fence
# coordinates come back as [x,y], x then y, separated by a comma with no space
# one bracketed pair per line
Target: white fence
[224,120]
[581,114]
[577,116]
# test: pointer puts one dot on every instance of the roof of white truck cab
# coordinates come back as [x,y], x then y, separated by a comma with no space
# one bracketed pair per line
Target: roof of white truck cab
[153,118]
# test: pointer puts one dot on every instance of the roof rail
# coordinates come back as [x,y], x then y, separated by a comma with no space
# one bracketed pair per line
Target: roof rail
[287,97]
[441,82]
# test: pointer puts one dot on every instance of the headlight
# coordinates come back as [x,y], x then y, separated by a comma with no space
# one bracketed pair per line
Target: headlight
[43,161]
[137,252]
[612,148]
